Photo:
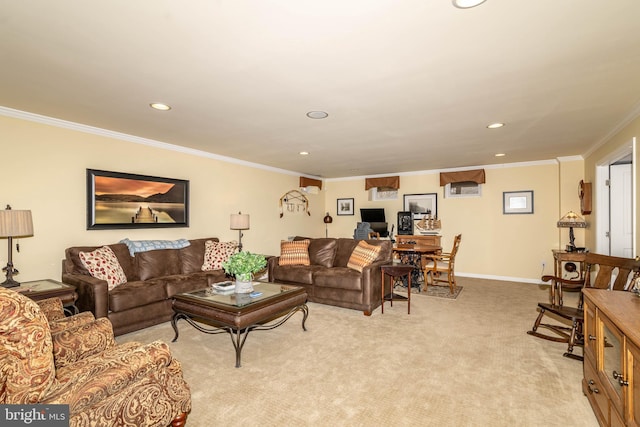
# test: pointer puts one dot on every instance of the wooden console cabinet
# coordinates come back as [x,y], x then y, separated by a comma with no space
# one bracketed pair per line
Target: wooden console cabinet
[612,356]
[426,239]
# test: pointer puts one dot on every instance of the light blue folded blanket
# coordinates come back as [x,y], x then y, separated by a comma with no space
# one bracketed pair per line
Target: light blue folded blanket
[152,245]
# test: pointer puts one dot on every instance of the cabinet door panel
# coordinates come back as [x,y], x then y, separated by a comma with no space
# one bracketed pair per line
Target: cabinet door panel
[612,374]
[633,392]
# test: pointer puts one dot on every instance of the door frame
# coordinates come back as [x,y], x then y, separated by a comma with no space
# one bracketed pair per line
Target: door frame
[602,201]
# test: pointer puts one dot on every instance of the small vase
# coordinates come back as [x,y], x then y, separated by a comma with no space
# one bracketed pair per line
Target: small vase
[244,283]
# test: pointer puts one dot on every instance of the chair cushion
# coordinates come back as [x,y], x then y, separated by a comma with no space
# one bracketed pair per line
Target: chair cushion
[363,255]
[215,253]
[27,369]
[294,253]
[103,264]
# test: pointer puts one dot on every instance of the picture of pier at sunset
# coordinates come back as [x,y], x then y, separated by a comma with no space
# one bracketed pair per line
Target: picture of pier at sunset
[132,199]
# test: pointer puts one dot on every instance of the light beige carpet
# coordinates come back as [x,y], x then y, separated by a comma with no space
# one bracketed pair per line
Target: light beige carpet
[463,362]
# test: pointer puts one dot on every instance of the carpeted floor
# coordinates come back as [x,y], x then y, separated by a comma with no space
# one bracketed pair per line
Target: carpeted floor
[462,362]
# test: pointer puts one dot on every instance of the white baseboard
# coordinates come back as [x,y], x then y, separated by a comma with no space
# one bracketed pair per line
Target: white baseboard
[502,278]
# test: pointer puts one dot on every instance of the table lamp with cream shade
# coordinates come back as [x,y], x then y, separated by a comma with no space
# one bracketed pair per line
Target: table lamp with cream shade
[239,222]
[571,220]
[13,223]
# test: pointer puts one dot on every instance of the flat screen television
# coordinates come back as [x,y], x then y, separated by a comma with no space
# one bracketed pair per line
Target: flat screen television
[372,215]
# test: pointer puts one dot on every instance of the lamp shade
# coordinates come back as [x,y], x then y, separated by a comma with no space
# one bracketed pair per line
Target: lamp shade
[328,219]
[239,221]
[572,220]
[15,223]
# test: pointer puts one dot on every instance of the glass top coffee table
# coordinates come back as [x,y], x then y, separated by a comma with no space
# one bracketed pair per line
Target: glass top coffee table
[215,312]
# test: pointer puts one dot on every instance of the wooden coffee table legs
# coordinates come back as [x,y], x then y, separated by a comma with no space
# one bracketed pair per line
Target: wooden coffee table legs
[238,334]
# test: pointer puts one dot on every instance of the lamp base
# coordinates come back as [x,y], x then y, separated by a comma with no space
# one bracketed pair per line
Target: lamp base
[10,283]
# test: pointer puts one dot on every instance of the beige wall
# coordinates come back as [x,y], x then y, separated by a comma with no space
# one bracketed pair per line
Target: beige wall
[493,244]
[44,170]
[47,167]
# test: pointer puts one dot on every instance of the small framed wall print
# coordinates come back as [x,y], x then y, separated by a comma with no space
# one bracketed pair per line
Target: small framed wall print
[421,205]
[517,202]
[345,207]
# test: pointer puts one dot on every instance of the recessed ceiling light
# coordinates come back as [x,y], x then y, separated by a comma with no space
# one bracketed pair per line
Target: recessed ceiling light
[317,115]
[495,125]
[160,106]
[466,4]
[500,154]
[304,153]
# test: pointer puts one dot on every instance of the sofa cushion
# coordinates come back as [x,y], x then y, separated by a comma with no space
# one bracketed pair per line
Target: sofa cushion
[103,264]
[338,277]
[322,251]
[136,294]
[295,273]
[191,282]
[164,262]
[192,257]
[294,253]
[363,255]
[216,253]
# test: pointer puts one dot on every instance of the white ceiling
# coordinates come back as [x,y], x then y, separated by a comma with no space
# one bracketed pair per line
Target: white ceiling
[409,85]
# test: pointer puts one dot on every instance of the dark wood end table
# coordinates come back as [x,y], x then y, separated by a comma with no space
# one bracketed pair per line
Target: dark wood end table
[396,271]
[47,288]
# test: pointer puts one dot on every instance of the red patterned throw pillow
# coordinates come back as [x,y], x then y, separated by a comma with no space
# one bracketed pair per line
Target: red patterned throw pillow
[103,264]
[215,253]
[294,253]
[363,255]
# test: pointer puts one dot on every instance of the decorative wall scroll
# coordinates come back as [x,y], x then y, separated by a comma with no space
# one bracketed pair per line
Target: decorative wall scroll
[294,202]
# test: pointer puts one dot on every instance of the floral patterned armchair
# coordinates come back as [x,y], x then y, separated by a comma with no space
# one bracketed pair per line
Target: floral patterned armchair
[47,358]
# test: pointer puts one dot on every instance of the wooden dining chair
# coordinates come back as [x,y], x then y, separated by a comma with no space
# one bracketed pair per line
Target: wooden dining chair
[602,272]
[441,267]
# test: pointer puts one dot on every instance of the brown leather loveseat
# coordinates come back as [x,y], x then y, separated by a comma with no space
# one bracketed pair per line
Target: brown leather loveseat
[152,279]
[328,280]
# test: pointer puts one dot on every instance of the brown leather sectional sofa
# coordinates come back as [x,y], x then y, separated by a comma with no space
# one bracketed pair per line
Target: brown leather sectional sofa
[153,278]
[328,280]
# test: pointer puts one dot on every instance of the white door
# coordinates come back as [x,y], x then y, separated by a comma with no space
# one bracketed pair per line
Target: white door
[621,210]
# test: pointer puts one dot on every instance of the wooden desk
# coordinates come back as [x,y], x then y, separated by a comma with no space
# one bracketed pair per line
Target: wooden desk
[420,239]
[411,254]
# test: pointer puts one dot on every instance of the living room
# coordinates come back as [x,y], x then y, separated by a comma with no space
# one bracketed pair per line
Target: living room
[48,150]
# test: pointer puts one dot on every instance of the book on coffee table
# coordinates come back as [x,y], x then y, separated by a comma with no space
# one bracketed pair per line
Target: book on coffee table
[224,286]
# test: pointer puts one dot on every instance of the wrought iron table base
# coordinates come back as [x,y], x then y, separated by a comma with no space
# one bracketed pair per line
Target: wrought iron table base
[238,335]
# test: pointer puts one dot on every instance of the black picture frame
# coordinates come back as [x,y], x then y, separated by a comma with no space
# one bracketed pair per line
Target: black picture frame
[421,204]
[345,207]
[117,200]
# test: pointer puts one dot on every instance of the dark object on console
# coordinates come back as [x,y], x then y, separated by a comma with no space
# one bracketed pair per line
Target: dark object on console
[405,223]
[376,219]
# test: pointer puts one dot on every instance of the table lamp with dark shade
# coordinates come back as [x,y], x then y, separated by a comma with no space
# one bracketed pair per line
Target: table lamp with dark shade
[13,223]
[571,220]
[239,222]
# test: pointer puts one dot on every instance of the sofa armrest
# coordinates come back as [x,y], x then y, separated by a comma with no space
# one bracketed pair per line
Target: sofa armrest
[82,341]
[93,294]
[52,308]
[272,262]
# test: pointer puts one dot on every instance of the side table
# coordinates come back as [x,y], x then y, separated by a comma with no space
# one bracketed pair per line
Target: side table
[396,271]
[47,288]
